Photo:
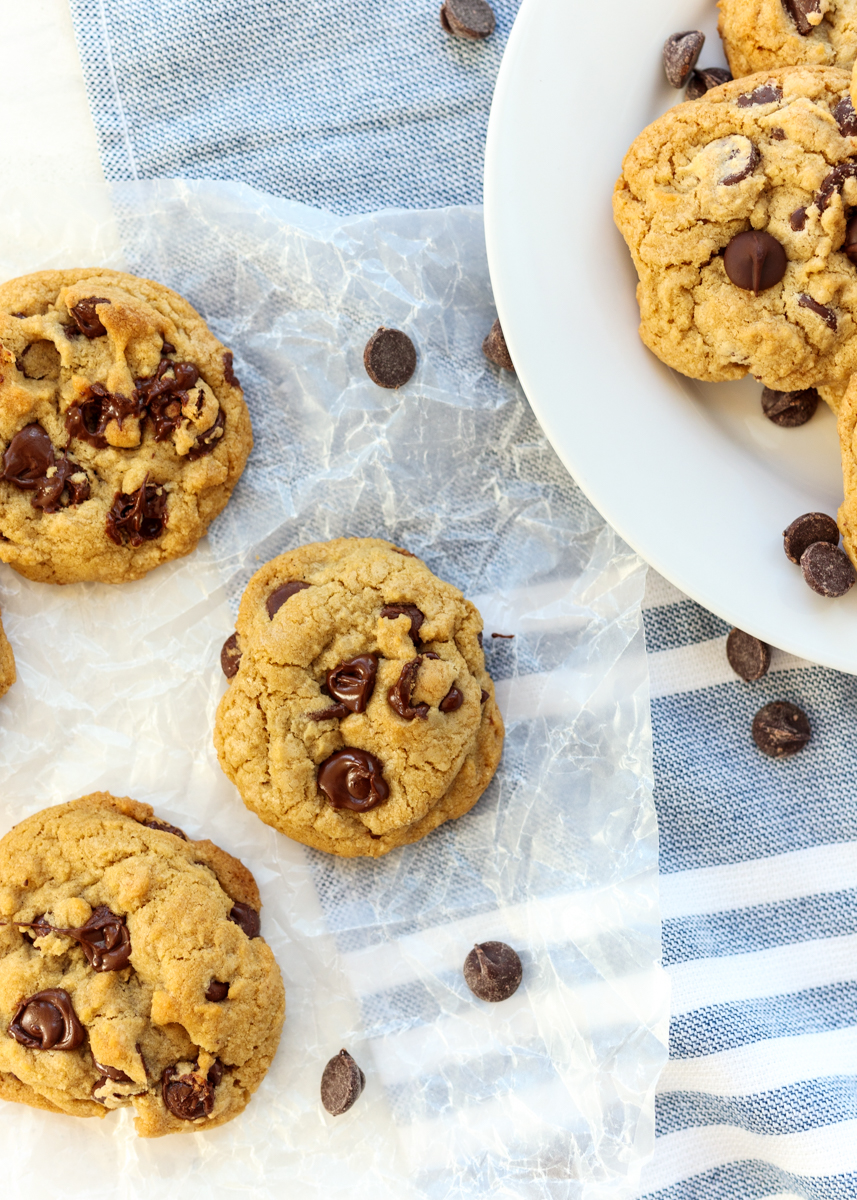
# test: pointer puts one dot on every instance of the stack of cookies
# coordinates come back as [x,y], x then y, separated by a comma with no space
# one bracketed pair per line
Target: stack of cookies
[738,207]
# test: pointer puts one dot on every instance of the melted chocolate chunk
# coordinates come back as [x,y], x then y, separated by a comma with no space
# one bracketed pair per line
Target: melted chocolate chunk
[827,569]
[789,409]
[49,493]
[798,10]
[187,1097]
[351,684]
[217,991]
[471,19]
[704,80]
[284,592]
[495,349]
[112,1073]
[748,657]
[452,701]
[798,220]
[850,245]
[755,261]
[166,827]
[104,939]
[681,50]
[493,971]
[228,373]
[399,695]
[230,656]
[162,398]
[342,1081]
[353,779]
[766,93]
[140,517]
[29,463]
[833,181]
[167,348]
[745,169]
[246,918]
[505,636]
[406,610]
[846,117]
[781,729]
[47,1021]
[811,527]
[827,314]
[206,442]
[390,358]
[89,419]
[86,317]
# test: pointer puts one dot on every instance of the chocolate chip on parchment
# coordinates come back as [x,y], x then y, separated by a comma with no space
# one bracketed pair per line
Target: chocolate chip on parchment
[811,527]
[230,656]
[704,79]
[748,657]
[246,918]
[681,50]
[821,310]
[353,779]
[827,569]
[495,349]
[755,261]
[492,971]
[342,1081]
[505,636]
[390,358]
[47,1021]
[850,245]
[799,10]
[765,93]
[392,611]
[217,990]
[187,1097]
[780,729]
[789,409]
[472,19]
[284,592]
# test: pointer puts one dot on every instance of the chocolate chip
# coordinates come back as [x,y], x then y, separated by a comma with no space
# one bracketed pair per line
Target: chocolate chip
[138,517]
[472,19]
[406,610]
[827,314]
[780,729]
[47,1021]
[351,684]
[778,135]
[399,695]
[798,10]
[681,50]
[850,245]
[165,827]
[88,419]
[766,93]
[452,701]
[492,971]
[389,358]
[112,1073]
[104,939]
[246,918]
[495,349]
[479,638]
[162,397]
[811,527]
[86,317]
[505,636]
[798,220]
[744,157]
[846,117]
[353,779]
[702,81]
[217,991]
[789,409]
[748,657]
[827,569]
[207,441]
[230,656]
[228,373]
[284,592]
[167,348]
[342,1081]
[483,697]
[833,182]
[215,1072]
[755,261]
[187,1097]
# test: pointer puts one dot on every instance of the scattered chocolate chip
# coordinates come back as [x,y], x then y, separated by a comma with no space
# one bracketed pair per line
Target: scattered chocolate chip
[850,244]
[89,419]
[215,1072]
[86,317]
[452,701]
[846,117]
[246,918]
[492,971]
[827,314]
[230,656]
[702,81]
[406,610]
[284,592]
[798,220]
[104,939]
[165,827]
[681,50]
[167,348]
[390,358]
[789,409]
[217,991]
[187,1097]
[745,158]
[140,517]
[748,657]
[755,261]
[472,19]
[112,1073]
[780,729]
[827,569]
[495,349]
[342,1081]
[228,373]
[798,10]
[163,397]
[353,779]
[833,182]
[778,135]
[765,93]
[505,636]
[811,527]
[351,684]
[399,695]
[47,1021]
[207,441]
[483,697]
[406,553]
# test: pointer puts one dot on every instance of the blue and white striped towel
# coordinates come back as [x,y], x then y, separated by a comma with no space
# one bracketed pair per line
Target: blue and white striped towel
[353,106]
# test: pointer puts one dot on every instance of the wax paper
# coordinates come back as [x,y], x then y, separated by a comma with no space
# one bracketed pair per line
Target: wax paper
[549,1094]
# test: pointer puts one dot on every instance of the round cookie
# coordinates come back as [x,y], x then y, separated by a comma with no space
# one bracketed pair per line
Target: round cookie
[762,35]
[773,153]
[359,714]
[131,970]
[123,429]
[7,663]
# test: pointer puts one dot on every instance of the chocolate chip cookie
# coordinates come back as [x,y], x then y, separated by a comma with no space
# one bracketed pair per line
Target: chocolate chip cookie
[132,970]
[762,35]
[123,429]
[359,715]
[7,663]
[847,424]
[735,210]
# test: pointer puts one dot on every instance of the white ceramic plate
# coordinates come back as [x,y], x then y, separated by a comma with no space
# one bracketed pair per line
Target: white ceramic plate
[692,475]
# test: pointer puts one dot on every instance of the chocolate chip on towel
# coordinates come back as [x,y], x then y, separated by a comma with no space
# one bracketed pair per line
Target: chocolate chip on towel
[748,657]
[780,729]
[495,349]
[492,971]
[390,358]
[827,569]
[472,19]
[789,409]
[704,80]
[342,1081]
[811,527]
[681,51]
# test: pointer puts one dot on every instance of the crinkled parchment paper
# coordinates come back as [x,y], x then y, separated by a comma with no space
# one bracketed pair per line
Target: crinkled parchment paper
[549,1094]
